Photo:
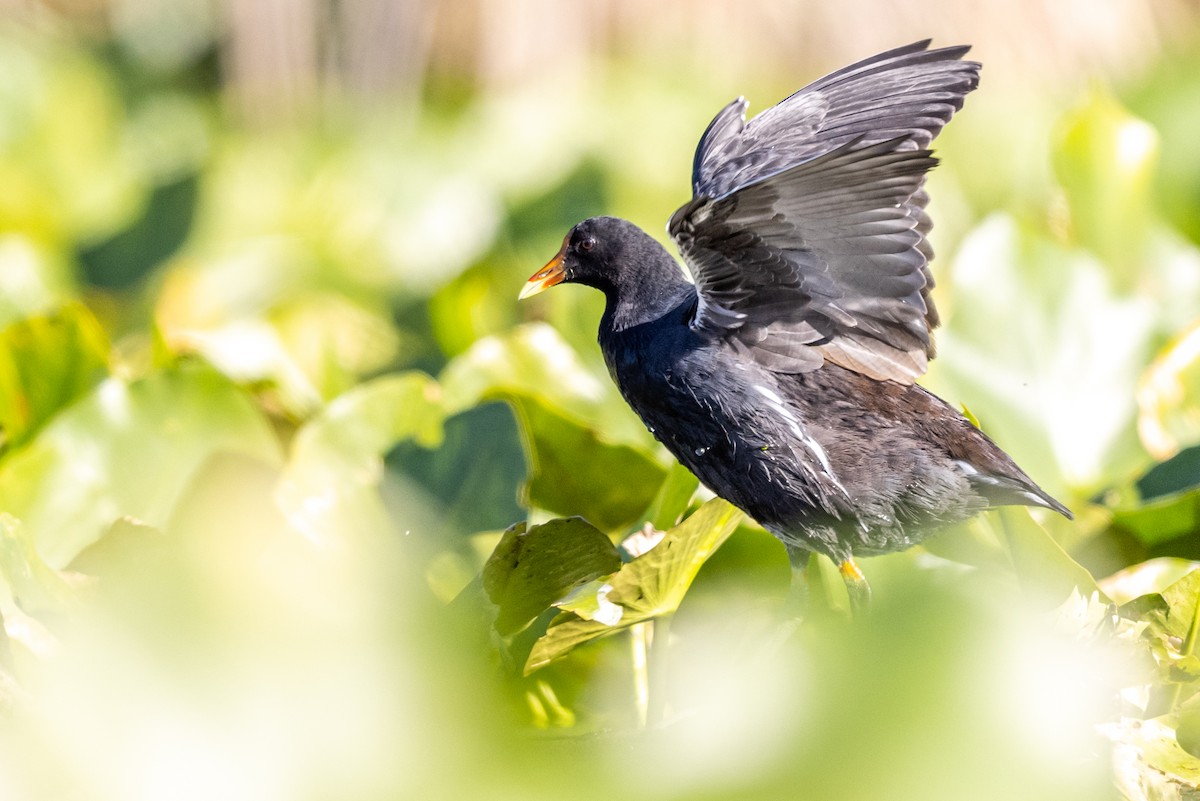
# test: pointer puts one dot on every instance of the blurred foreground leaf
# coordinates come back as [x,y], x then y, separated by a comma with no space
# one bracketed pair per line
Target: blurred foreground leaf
[531,569]
[1168,397]
[330,487]
[47,363]
[37,589]
[1105,161]
[1054,388]
[127,449]
[650,586]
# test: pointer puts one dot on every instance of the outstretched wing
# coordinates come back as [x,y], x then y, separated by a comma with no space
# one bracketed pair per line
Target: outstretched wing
[806,232]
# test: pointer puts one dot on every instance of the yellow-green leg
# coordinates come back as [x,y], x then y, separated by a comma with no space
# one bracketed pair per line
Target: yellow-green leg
[857,587]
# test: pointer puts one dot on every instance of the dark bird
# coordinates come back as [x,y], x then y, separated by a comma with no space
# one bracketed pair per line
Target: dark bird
[782,374]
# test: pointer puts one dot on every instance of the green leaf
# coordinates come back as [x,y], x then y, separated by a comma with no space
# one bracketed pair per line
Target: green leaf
[1055,392]
[329,488]
[533,361]
[573,469]
[1168,397]
[673,498]
[1187,731]
[1105,161]
[46,364]
[650,586]
[1159,749]
[1145,578]
[1163,519]
[1181,605]
[1040,563]
[532,569]
[37,588]
[474,476]
[127,449]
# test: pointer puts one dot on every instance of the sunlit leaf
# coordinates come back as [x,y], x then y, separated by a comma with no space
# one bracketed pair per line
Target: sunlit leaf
[1187,728]
[1028,345]
[1041,564]
[47,363]
[1174,609]
[652,585]
[531,569]
[1168,397]
[330,486]
[33,278]
[1105,161]
[37,589]
[127,449]
[1144,578]
[533,360]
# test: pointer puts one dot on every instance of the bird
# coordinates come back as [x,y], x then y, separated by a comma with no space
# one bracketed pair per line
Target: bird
[782,371]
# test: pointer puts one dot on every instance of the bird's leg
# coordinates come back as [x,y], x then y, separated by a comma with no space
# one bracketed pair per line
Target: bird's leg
[800,592]
[857,587]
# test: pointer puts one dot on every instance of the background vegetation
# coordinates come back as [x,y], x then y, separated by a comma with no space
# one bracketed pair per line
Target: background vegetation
[268,405]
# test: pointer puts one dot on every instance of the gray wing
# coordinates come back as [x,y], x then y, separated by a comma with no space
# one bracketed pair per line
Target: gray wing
[806,232]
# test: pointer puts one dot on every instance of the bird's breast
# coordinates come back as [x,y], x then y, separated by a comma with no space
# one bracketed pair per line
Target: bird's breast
[724,420]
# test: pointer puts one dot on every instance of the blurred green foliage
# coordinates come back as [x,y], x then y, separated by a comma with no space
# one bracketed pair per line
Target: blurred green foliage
[268,403]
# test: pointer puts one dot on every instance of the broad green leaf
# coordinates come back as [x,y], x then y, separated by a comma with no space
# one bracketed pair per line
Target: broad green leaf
[127,449]
[673,498]
[1040,563]
[37,588]
[1168,397]
[47,363]
[1105,161]
[532,569]
[1187,731]
[33,277]
[574,470]
[127,542]
[1182,604]
[1164,519]
[534,361]
[1161,752]
[1053,390]
[330,486]
[474,475]
[1178,473]
[650,586]
[1145,578]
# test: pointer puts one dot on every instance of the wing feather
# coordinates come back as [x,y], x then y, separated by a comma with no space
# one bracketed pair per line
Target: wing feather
[806,234]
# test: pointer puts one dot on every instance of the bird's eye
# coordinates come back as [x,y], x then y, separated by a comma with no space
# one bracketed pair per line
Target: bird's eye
[587,243]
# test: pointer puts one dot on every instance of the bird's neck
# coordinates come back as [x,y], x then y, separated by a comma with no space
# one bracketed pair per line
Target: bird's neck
[647,293]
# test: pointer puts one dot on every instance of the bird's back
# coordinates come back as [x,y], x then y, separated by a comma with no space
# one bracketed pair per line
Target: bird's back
[828,460]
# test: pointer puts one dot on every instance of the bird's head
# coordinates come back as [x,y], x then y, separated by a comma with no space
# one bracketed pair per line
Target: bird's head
[597,253]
